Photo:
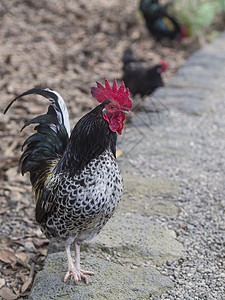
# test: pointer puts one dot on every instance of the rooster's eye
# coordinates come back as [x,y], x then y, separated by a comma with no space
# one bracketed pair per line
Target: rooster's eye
[111,107]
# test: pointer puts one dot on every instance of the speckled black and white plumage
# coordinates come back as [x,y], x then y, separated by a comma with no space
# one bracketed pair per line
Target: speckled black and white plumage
[84,202]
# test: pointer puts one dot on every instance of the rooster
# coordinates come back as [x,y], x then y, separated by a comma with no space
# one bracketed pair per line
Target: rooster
[75,177]
[159,22]
[141,80]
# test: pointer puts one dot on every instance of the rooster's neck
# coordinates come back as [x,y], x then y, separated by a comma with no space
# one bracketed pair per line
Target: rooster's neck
[90,137]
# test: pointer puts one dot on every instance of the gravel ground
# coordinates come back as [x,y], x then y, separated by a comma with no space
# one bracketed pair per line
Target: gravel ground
[196,161]
[200,225]
[192,154]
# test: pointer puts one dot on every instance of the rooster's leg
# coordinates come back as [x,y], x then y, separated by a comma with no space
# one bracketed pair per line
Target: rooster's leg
[74,270]
[77,264]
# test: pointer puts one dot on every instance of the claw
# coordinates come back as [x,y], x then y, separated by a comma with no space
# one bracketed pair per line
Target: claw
[74,274]
[85,277]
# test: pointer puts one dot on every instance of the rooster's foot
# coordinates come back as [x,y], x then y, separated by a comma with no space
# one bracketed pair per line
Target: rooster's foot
[77,275]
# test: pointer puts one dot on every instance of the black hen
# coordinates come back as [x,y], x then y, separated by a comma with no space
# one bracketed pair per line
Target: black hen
[159,22]
[141,80]
[75,178]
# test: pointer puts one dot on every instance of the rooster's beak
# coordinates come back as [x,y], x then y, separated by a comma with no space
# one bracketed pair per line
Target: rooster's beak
[126,111]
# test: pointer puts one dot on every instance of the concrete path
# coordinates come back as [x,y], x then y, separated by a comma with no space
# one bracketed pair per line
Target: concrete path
[167,237]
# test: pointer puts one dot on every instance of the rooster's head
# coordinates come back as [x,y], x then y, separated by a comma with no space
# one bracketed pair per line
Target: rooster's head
[117,105]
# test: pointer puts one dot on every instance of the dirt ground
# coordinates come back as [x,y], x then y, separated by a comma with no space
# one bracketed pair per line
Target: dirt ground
[64,45]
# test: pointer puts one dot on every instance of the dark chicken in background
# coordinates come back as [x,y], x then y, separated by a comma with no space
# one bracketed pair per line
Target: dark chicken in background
[75,177]
[160,23]
[141,80]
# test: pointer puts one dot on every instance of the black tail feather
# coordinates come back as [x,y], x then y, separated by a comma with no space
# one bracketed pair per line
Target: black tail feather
[43,119]
[39,91]
[46,146]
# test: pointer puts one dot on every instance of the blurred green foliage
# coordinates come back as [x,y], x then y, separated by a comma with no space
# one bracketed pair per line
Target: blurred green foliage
[198,15]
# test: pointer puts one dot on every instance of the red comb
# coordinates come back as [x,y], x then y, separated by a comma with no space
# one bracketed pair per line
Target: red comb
[164,65]
[120,95]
